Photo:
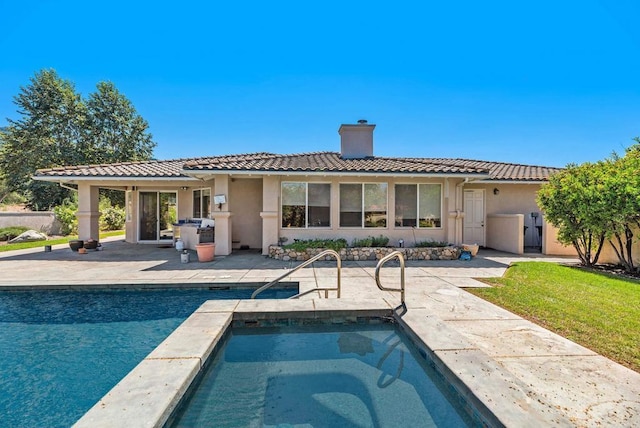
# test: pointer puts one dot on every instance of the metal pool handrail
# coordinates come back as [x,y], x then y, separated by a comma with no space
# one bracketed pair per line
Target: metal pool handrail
[304,264]
[400,257]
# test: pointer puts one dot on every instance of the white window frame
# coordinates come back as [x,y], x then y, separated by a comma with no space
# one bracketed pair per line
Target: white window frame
[362,206]
[193,208]
[306,204]
[418,206]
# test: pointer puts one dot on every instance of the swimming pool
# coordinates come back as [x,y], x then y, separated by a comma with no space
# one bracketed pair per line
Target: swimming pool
[321,376]
[61,351]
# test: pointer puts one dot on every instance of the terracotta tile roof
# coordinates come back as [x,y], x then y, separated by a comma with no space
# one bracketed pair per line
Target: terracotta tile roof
[329,162]
[501,170]
[150,169]
[324,162]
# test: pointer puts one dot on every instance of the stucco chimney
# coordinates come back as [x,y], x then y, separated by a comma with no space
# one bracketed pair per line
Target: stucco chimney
[356,141]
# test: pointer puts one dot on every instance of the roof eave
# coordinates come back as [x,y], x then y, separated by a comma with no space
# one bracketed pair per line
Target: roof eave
[513,181]
[73,178]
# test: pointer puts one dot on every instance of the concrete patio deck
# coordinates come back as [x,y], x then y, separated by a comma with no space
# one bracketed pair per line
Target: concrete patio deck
[494,351]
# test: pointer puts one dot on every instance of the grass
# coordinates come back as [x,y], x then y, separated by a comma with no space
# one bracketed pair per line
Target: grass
[597,310]
[36,244]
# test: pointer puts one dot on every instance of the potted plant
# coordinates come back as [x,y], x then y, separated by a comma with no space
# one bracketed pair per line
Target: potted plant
[91,244]
[76,244]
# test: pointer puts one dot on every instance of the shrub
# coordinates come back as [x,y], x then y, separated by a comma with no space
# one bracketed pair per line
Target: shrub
[66,215]
[8,233]
[112,218]
[365,242]
[430,243]
[331,244]
[371,241]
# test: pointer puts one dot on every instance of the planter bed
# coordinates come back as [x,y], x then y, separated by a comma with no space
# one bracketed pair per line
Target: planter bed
[368,253]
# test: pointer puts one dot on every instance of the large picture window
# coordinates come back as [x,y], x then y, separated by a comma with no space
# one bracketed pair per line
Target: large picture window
[418,205]
[202,203]
[306,205]
[363,205]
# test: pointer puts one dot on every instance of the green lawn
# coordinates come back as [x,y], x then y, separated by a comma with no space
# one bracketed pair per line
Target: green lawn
[596,310]
[35,244]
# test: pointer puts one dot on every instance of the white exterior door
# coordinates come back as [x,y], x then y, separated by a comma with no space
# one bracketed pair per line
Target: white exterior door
[473,217]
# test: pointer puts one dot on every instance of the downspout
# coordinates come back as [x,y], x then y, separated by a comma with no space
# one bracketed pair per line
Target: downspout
[67,187]
[458,216]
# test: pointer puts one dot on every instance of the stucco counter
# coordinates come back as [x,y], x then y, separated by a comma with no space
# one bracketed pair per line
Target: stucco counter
[192,234]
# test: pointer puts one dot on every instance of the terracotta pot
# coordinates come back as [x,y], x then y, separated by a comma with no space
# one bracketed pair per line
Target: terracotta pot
[205,251]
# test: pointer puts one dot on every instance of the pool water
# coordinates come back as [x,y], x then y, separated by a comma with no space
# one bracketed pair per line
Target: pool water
[348,376]
[61,351]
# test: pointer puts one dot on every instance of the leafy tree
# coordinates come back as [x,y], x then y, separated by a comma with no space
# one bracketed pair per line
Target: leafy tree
[115,131]
[58,128]
[574,201]
[46,136]
[7,196]
[622,193]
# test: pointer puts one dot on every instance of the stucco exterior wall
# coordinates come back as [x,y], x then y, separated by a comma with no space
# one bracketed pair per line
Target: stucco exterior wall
[551,245]
[43,221]
[408,234]
[511,198]
[252,215]
[504,232]
[608,255]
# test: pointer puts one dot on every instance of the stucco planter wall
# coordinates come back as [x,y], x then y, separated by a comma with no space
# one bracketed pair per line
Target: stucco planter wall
[368,253]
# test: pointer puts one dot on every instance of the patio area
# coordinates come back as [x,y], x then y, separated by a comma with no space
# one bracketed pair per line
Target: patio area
[521,371]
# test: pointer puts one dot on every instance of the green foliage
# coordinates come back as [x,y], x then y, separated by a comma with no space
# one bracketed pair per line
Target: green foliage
[111,217]
[596,310]
[596,201]
[431,244]
[116,132]
[65,213]
[8,233]
[622,199]
[371,241]
[574,201]
[331,244]
[58,128]
[8,197]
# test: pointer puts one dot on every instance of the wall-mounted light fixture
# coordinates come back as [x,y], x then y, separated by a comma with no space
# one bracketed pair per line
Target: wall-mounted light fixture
[496,191]
[219,199]
[183,188]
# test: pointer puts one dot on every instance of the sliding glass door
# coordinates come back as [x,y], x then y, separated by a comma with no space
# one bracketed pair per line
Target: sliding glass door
[158,212]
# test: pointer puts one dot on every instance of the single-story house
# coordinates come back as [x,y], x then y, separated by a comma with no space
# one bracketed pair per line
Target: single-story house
[256,200]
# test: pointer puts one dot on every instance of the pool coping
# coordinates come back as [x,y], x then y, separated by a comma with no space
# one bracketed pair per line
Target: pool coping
[146,285]
[150,393]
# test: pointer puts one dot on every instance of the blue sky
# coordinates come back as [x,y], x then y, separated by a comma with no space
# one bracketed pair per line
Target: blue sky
[546,82]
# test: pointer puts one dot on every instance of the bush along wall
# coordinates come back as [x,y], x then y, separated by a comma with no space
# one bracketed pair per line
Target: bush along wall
[367,253]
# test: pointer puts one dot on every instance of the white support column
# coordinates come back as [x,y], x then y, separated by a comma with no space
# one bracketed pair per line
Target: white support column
[88,214]
[222,217]
[269,214]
